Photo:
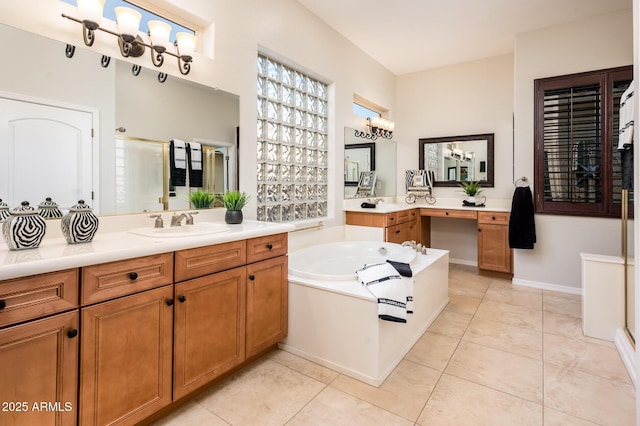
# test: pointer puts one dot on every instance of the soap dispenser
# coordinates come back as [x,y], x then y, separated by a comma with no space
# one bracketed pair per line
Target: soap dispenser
[79,225]
[24,229]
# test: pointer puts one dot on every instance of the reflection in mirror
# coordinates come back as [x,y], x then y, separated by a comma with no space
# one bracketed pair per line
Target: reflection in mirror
[456,159]
[358,158]
[383,158]
[109,98]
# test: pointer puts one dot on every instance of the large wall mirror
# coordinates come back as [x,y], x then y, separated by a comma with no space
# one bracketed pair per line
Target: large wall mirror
[360,155]
[122,167]
[455,159]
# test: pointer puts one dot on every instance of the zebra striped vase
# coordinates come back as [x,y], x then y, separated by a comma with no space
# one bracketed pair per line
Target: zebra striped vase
[24,229]
[80,224]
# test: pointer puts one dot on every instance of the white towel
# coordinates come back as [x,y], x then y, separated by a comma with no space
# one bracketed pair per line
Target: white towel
[625,138]
[179,154]
[195,150]
[389,287]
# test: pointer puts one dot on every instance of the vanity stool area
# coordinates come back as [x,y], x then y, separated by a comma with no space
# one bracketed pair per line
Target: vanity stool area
[125,329]
[403,222]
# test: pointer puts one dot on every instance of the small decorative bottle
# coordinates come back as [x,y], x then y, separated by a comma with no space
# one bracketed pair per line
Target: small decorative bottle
[24,229]
[79,225]
[4,211]
[48,209]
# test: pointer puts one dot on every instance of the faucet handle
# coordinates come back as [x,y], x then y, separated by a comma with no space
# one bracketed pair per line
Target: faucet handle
[158,223]
[189,220]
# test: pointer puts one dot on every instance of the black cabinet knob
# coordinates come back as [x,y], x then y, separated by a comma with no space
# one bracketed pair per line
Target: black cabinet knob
[133,276]
[182,299]
[72,333]
[269,246]
[446,213]
[169,302]
[252,277]
[397,231]
[3,304]
[493,218]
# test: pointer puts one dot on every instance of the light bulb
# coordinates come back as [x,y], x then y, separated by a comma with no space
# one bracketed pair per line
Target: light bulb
[128,22]
[160,33]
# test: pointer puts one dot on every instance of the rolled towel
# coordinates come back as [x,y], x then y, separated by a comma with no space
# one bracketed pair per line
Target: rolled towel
[388,287]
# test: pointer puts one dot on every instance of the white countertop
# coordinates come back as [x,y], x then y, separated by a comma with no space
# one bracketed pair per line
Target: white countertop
[55,254]
[391,205]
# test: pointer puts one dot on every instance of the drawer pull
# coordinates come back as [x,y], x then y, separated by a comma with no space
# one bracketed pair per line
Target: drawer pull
[269,246]
[3,304]
[133,276]
[169,302]
[397,231]
[446,213]
[493,218]
[182,299]
[252,277]
[72,333]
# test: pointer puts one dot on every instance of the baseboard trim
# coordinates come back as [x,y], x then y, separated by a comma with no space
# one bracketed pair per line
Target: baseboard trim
[463,262]
[548,286]
[627,353]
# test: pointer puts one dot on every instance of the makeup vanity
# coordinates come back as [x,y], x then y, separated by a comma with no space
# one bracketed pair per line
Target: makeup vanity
[403,222]
[127,327]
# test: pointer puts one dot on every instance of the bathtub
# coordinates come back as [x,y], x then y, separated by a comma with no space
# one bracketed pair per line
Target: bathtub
[333,318]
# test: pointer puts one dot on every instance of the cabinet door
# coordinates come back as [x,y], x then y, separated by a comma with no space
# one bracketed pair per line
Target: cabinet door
[125,364]
[39,364]
[267,304]
[494,253]
[403,232]
[209,328]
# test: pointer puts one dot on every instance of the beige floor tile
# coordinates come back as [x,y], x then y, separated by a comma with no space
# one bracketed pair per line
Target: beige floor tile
[568,326]
[510,314]
[301,365]
[459,402]
[518,340]
[333,407]
[514,374]
[404,392]
[433,350]
[514,295]
[451,324]
[463,304]
[558,418]
[597,359]
[468,273]
[593,398]
[561,303]
[464,287]
[274,393]
[191,414]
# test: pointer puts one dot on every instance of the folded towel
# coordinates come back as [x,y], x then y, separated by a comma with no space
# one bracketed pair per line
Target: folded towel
[384,282]
[194,152]
[404,269]
[177,163]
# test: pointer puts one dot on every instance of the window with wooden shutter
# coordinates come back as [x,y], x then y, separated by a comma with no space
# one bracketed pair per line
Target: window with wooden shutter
[577,165]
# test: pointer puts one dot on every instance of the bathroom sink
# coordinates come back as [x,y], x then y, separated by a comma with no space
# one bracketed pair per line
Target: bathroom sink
[202,228]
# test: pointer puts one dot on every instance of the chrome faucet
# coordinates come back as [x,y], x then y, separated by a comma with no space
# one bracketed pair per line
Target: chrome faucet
[375,201]
[176,219]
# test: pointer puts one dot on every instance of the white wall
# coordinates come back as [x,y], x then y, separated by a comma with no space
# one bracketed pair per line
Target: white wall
[283,27]
[595,43]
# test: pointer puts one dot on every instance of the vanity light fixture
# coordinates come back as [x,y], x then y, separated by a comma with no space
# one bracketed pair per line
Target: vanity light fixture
[130,42]
[377,127]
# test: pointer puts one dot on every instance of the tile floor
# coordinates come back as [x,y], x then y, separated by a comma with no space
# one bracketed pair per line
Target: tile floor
[497,355]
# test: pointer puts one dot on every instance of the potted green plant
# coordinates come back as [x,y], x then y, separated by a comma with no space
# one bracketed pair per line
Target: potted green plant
[234,201]
[201,199]
[472,189]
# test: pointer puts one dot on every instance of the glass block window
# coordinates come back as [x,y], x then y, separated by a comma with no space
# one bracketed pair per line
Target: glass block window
[292,143]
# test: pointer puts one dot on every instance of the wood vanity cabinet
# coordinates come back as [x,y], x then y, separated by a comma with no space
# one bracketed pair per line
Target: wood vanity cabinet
[494,253]
[398,226]
[39,349]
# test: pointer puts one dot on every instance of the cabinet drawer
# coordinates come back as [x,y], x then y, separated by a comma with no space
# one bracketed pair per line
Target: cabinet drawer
[406,216]
[115,279]
[201,261]
[262,248]
[496,218]
[36,296]
[460,214]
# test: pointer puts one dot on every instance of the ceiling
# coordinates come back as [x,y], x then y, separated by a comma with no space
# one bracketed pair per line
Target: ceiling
[412,35]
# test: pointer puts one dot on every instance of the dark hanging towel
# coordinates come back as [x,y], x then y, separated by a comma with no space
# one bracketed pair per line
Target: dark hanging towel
[522,228]
[194,152]
[626,157]
[178,162]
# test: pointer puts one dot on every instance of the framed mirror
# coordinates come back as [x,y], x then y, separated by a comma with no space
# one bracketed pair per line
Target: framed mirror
[358,158]
[454,159]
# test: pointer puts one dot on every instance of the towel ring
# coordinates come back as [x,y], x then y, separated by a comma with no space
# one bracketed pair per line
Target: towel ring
[523,181]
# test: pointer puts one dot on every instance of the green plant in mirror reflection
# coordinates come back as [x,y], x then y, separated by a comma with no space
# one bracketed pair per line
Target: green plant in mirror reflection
[201,199]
